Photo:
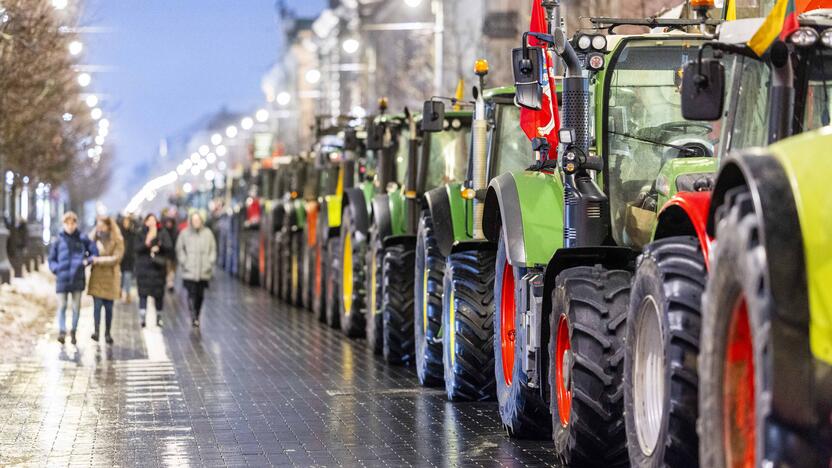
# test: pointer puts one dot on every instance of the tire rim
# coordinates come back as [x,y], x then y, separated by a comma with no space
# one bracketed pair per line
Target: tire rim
[425,301]
[563,371]
[507,330]
[648,376]
[295,272]
[373,292]
[738,417]
[318,270]
[346,275]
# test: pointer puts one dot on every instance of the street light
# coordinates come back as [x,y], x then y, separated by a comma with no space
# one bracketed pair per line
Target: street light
[284,98]
[216,139]
[67,117]
[92,100]
[99,140]
[204,149]
[351,45]
[76,47]
[313,76]
[96,113]
[231,131]
[84,79]
[262,115]
[60,4]
[221,150]
[247,123]
[413,3]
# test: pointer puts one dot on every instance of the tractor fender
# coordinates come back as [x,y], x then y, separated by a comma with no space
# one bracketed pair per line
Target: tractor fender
[478,245]
[381,215]
[355,202]
[686,214]
[407,240]
[439,206]
[528,207]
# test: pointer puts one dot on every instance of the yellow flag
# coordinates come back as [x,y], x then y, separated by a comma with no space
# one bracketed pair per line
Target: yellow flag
[460,94]
[770,29]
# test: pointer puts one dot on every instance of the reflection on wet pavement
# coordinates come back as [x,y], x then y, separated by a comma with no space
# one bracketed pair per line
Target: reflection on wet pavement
[259,384]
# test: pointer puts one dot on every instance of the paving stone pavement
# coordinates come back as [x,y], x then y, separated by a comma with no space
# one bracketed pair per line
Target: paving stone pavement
[259,384]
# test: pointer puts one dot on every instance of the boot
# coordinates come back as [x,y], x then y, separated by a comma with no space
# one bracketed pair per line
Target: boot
[108,338]
[94,336]
[61,337]
[143,315]
[158,320]
[72,337]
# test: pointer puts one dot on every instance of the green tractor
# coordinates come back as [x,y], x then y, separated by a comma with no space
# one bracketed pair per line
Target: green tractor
[321,181]
[434,153]
[739,243]
[453,313]
[289,221]
[568,233]
[376,171]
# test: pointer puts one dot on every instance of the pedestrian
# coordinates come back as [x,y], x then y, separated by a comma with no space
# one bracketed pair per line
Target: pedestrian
[152,251]
[169,225]
[128,261]
[196,251]
[69,254]
[105,277]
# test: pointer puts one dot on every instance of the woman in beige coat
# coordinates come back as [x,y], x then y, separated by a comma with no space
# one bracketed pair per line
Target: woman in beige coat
[105,279]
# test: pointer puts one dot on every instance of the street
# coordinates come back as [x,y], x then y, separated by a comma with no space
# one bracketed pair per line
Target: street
[261,383]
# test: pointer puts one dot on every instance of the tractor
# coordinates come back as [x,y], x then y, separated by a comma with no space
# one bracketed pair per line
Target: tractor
[762,315]
[568,231]
[433,152]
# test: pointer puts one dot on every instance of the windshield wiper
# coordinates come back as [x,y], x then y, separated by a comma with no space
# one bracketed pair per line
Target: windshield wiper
[656,143]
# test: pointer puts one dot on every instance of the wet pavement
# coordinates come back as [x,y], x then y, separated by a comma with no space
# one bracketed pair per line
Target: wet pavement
[259,384]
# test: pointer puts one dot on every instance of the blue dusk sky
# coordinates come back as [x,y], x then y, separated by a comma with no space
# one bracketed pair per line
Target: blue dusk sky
[166,63]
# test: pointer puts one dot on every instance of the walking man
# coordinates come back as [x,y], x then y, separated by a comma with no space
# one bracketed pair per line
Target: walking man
[69,255]
[196,251]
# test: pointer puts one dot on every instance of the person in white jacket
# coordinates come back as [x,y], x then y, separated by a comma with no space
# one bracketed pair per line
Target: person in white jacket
[196,252]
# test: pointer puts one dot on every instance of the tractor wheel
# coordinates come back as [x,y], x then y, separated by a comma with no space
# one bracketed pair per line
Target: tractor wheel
[397,305]
[468,326]
[523,410]
[586,354]
[296,269]
[307,272]
[738,389]
[319,280]
[286,266]
[660,375]
[353,255]
[374,322]
[333,280]
[427,311]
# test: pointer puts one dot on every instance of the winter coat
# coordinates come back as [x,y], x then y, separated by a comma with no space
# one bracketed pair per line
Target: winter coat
[131,238]
[105,277]
[150,271]
[67,256]
[196,252]
[173,233]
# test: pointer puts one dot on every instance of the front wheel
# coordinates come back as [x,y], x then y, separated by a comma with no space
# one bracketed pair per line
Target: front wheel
[586,353]
[660,375]
[427,311]
[296,269]
[397,305]
[468,326]
[333,279]
[353,253]
[374,322]
[523,410]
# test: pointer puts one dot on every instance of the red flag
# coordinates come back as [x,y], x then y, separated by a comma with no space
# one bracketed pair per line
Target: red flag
[546,121]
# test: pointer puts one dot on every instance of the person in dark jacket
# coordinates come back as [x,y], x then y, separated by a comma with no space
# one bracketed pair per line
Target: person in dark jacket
[153,249]
[68,256]
[169,226]
[128,261]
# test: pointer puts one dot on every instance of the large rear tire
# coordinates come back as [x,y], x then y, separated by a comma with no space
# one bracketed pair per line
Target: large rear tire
[586,354]
[375,321]
[296,269]
[397,305]
[738,390]
[333,280]
[320,275]
[468,326]
[523,410]
[286,265]
[353,246]
[427,311]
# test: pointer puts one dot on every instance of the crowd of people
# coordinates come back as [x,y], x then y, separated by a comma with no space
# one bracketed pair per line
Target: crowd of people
[118,251]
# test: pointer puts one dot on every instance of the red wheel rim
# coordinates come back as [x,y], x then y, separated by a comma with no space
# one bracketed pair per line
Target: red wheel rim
[738,419]
[507,330]
[563,384]
[317,270]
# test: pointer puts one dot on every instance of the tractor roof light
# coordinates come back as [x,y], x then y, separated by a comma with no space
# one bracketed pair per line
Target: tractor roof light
[595,61]
[481,67]
[702,4]
[584,42]
[826,38]
[804,37]
[599,43]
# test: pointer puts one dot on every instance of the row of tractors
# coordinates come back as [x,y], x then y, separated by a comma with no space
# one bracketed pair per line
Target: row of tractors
[654,293]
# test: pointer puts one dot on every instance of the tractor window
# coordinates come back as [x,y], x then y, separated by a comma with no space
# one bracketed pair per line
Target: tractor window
[401,155]
[514,150]
[328,180]
[741,9]
[751,121]
[448,156]
[818,92]
[646,129]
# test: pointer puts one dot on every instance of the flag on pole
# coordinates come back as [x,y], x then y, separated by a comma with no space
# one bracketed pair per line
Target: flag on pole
[782,21]
[543,123]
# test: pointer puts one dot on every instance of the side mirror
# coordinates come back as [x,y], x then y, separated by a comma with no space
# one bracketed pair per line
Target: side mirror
[703,90]
[433,116]
[529,66]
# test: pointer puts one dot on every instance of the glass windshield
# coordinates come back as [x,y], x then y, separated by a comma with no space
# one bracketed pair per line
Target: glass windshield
[448,156]
[752,102]
[514,151]
[646,129]
[818,92]
[328,180]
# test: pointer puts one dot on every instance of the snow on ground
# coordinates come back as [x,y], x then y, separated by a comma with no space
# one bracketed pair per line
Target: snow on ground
[27,312]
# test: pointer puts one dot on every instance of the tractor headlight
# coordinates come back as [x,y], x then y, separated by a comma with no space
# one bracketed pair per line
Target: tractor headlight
[599,43]
[804,37]
[584,42]
[570,162]
[595,61]
[826,38]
